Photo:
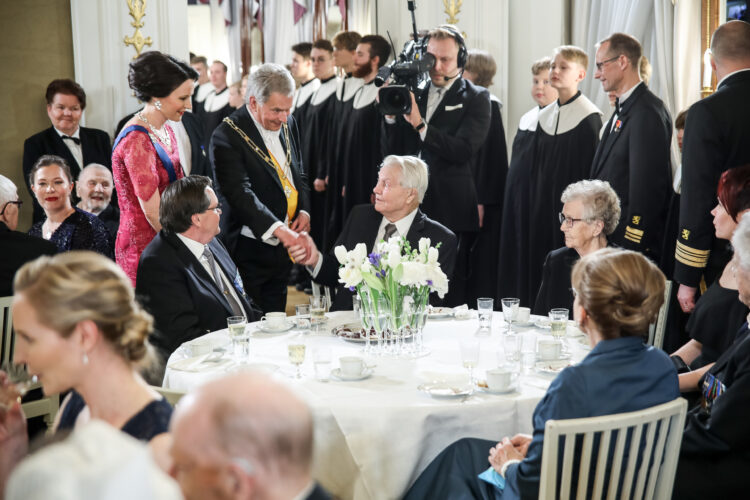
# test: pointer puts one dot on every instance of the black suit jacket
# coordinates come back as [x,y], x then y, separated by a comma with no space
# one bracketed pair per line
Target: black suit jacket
[635,159]
[16,250]
[252,187]
[716,139]
[456,131]
[362,227]
[181,295]
[96,147]
[715,453]
[199,164]
[555,290]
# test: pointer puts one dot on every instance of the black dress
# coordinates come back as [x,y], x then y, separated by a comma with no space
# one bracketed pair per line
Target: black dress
[715,320]
[151,421]
[555,290]
[79,231]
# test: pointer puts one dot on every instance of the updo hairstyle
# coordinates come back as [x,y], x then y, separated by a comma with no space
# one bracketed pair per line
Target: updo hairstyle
[620,290]
[154,74]
[49,160]
[82,285]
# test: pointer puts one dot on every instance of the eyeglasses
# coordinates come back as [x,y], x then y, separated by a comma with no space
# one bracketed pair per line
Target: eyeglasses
[568,221]
[17,202]
[216,209]
[600,64]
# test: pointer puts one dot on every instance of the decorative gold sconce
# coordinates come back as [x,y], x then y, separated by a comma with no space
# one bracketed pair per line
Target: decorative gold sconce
[452,9]
[137,10]
[709,23]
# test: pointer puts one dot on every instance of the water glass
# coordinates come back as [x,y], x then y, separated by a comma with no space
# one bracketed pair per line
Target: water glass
[318,310]
[512,347]
[510,310]
[322,363]
[470,356]
[558,322]
[240,341]
[377,317]
[356,304]
[484,309]
[297,357]
[528,351]
[303,316]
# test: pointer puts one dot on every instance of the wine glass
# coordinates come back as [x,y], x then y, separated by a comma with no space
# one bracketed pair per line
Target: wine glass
[378,318]
[510,310]
[297,357]
[18,383]
[362,307]
[470,357]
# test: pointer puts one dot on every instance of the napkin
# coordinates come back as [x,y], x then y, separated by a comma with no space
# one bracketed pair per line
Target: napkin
[492,477]
[461,312]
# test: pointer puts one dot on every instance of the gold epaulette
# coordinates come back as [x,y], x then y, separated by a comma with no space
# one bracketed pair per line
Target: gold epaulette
[691,256]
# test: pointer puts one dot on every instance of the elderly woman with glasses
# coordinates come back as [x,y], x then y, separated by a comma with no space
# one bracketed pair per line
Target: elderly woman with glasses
[591,211]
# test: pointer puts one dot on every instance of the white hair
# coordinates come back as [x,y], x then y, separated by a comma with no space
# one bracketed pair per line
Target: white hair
[267,79]
[414,172]
[600,202]
[8,191]
[92,166]
[741,243]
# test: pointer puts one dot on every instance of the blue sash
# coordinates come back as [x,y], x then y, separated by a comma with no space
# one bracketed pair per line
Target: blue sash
[163,156]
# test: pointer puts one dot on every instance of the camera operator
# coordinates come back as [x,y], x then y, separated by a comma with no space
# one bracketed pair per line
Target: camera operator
[447,125]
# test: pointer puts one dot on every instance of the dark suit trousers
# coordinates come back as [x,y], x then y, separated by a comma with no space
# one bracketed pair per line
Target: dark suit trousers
[264,270]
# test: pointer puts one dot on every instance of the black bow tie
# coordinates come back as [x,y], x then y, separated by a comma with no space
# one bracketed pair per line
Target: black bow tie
[617,106]
[74,139]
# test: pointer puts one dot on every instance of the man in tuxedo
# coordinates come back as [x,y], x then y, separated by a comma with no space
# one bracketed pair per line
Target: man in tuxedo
[16,248]
[94,187]
[633,154]
[258,165]
[402,183]
[447,125]
[715,140]
[79,146]
[244,436]
[186,279]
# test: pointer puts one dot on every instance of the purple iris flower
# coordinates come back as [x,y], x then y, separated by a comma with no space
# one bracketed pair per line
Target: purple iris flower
[429,282]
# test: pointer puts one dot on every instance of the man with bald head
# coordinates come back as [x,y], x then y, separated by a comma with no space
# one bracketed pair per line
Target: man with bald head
[94,187]
[244,437]
[715,140]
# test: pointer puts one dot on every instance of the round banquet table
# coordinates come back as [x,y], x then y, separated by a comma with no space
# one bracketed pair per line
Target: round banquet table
[374,436]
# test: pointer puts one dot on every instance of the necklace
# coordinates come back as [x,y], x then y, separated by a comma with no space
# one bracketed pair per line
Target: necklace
[162,134]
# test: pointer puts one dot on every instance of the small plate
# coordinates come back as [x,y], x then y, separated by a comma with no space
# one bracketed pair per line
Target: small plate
[552,367]
[490,391]
[440,313]
[563,357]
[445,390]
[265,329]
[336,373]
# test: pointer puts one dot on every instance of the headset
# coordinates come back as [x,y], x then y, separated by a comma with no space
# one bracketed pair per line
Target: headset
[463,53]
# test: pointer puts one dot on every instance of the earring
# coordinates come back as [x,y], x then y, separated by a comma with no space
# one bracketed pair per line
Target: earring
[157,103]
[85,358]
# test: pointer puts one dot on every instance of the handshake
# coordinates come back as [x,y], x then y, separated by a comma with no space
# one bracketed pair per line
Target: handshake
[298,242]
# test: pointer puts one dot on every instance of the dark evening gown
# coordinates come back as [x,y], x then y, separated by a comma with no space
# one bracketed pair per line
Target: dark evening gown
[79,231]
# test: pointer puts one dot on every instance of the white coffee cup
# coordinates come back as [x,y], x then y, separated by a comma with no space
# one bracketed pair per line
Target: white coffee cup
[351,366]
[200,347]
[549,349]
[523,315]
[500,379]
[273,321]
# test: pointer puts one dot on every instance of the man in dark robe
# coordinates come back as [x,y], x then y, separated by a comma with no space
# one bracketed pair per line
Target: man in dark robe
[301,69]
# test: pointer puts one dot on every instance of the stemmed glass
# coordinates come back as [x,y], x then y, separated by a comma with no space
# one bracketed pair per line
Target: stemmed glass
[297,357]
[17,383]
[470,357]
[361,306]
[417,316]
[378,319]
[510,310]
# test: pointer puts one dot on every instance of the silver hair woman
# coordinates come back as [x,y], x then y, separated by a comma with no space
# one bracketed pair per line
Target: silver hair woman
[591,212]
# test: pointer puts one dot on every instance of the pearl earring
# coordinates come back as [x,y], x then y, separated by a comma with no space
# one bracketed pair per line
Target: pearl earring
[85,358]
[157,103]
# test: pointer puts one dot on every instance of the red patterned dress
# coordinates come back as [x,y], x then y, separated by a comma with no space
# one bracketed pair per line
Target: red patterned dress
[138,172]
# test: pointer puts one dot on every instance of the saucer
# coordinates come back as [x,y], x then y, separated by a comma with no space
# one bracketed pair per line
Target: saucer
[552,367]
[440,313]
[562,357]
[494,391]
[445,390]
[336,373]
[267,329]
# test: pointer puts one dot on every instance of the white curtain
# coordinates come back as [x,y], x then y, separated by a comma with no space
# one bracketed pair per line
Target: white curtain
[280,32]
[666,31]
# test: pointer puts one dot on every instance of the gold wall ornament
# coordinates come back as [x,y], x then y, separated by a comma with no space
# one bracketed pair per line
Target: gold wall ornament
[137,10]
[452,9]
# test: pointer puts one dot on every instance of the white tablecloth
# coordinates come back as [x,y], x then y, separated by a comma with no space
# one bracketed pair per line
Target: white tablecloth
[373,437]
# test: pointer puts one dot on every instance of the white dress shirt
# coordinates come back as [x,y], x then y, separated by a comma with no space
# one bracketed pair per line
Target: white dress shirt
[622,99]
[196,248]
[183,145]
[75,149]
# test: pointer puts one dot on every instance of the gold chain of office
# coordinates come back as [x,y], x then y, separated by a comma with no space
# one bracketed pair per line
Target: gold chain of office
[259,151]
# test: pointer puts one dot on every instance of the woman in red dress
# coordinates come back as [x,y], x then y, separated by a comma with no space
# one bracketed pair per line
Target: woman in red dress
[145,159]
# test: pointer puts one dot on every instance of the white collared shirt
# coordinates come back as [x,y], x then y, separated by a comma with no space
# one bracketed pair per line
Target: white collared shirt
[622,99]
[402,229]
[75,149]
[183,145]
[196,248]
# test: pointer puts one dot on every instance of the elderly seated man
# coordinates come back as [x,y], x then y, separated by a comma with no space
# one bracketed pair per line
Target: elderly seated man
[186,279]
[245,436]
[402,183]
[95,187]
[16,248]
